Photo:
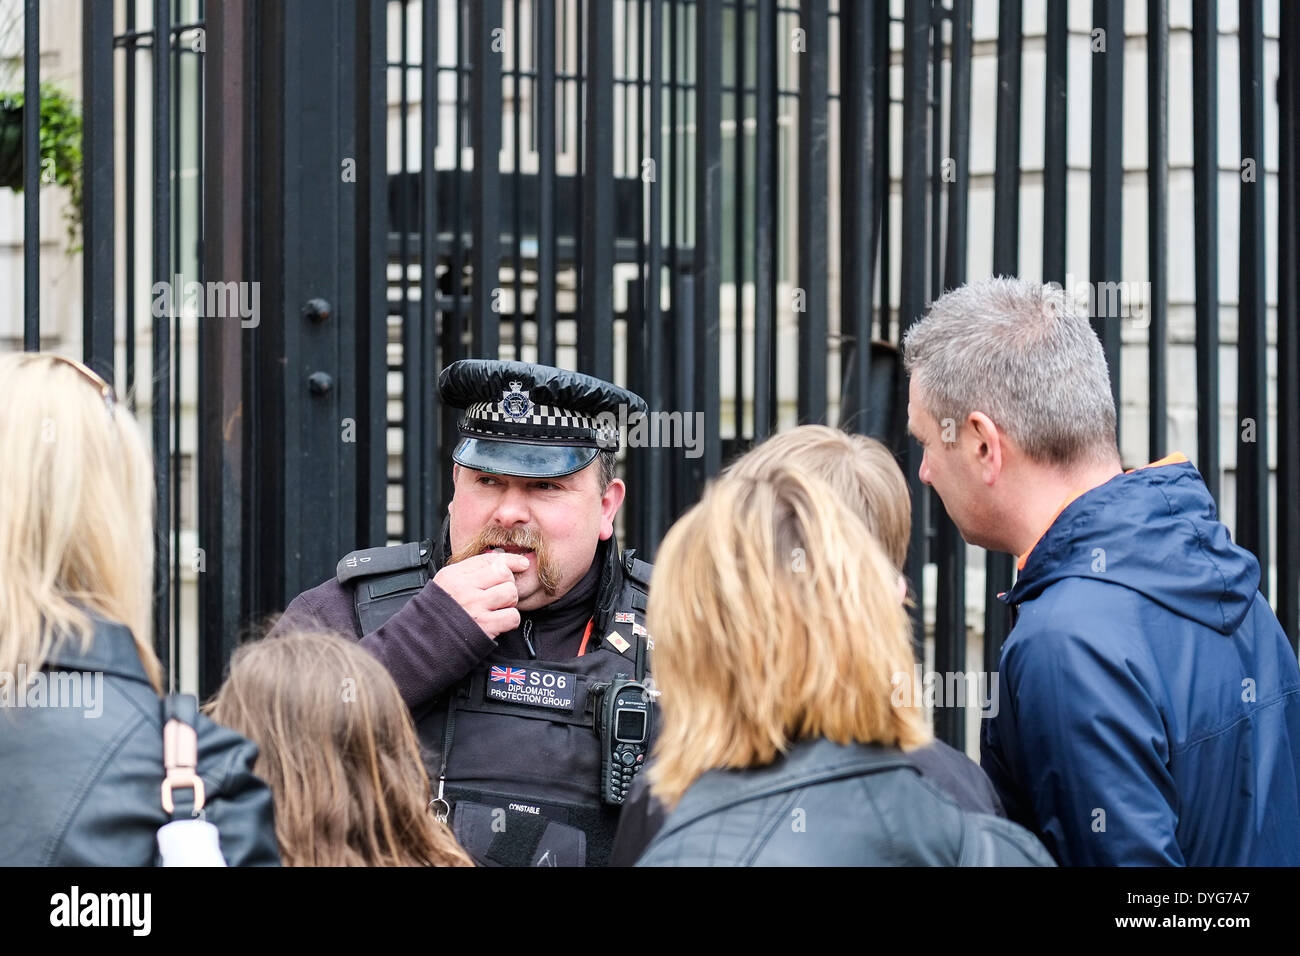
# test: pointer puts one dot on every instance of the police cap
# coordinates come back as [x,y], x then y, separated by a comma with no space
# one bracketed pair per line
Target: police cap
[532,421]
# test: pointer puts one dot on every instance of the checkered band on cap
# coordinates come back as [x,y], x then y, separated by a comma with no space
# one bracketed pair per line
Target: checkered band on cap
[546,416]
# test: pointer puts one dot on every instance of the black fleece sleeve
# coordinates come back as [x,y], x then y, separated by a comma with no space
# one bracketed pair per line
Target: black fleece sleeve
[427,646]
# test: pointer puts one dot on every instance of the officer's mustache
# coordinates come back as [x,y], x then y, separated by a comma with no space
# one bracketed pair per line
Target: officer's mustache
[525,539]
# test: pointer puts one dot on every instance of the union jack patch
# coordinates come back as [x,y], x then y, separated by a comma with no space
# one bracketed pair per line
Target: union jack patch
[624,617]
[507,675]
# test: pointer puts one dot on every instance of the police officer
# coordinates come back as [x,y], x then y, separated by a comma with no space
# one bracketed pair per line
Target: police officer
[518,638]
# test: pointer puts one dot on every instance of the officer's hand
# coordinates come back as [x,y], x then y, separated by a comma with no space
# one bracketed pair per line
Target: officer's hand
[484,586]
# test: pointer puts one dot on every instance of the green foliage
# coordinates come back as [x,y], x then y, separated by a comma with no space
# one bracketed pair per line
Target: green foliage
[60,149]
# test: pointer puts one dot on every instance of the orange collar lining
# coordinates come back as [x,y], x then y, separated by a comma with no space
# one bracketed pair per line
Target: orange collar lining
[1177,458]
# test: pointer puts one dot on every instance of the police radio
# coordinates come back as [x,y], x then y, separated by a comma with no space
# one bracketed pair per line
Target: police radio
[624,725]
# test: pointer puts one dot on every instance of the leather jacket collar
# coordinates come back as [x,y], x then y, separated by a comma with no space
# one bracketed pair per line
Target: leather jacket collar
[808,762]
[112,650]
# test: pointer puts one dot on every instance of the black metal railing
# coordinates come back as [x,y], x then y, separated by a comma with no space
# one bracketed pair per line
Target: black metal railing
[662,158]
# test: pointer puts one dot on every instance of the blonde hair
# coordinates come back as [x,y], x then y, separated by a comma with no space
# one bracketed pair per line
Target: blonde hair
[76,514]
[861,470]
[775,618]
[339,751]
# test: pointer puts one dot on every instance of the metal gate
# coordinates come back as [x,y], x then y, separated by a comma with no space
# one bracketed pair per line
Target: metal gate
[669,186]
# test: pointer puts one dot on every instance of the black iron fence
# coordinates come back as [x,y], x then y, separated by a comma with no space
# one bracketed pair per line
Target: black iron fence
[648,190]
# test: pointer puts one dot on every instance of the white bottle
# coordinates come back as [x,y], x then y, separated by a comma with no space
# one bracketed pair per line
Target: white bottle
[190,843]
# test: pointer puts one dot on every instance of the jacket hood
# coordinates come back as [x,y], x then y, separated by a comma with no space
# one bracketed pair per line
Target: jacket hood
[1156,531]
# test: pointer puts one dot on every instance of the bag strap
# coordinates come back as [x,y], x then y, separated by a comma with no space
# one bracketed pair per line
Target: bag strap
[180,713]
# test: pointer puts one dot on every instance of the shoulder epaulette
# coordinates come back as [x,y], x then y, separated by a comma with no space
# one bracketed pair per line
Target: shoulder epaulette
[371,561]
[639,571]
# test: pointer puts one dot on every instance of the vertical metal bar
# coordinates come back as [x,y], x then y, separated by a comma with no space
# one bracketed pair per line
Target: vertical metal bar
[916,43]
[1055,116]
[486,96]
[1251,531]
[32,175]
[1006,173]
[1157,222]
[596,320]
[178,257]
[937,16]
[677,386]
[1288,329]
[950,599]
[364,266]
[452,343]
[1106,220]
[564,60]
[1205,204]
[224,466]
[623,84]
[581,146]
[706,271]
[813,208]
[196,113]
[739,202]
[430,484]
[544,11]
[765,219]
[129,204]
[884,110]
[161,364]
[638,350]
[453,324]
[859,157]
[200,259]
[954,271]
[413,373]
[1006,261]
[657,512]
[271,570]
[516,181]
[98,174]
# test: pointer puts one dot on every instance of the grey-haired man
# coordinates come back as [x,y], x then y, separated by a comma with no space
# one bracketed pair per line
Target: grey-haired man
[1150,702]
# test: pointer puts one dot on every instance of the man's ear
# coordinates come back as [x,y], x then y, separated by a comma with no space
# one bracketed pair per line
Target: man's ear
[988,446]
[610,502]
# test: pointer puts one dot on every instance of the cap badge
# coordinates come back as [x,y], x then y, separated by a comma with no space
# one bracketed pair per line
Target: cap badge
[515,404]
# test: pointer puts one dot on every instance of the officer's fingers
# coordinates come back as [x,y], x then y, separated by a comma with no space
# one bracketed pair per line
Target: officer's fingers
[503,567]
[518,563]
[501,595]
[481,570]
[498,622]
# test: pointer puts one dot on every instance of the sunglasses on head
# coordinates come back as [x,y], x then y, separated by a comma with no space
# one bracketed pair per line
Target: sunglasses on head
[105,390]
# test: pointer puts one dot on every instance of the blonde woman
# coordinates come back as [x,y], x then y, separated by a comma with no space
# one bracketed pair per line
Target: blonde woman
[80,716]
[778,631]
[863,474]
[357,795]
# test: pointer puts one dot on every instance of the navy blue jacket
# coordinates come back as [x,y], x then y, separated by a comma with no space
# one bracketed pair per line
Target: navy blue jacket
[1149,703]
